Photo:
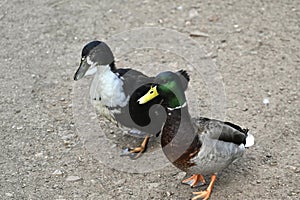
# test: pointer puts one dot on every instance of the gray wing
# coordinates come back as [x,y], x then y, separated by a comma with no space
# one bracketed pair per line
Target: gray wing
[223,131]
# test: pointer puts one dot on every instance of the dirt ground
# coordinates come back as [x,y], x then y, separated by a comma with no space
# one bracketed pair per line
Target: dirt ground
[254,44]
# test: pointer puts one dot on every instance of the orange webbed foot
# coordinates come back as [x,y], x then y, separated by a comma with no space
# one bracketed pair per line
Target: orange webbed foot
[136,152]
[194,180]
[202,195]
[206,193]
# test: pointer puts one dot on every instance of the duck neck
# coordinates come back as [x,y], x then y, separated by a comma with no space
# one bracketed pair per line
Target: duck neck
[109,86]
[180,142]
[177,120]
[175,100]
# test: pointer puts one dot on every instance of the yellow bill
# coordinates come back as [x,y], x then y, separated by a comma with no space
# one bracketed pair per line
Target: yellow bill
[151,94]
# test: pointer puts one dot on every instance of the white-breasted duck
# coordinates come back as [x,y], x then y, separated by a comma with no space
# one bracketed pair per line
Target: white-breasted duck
[118,91]
[200,147]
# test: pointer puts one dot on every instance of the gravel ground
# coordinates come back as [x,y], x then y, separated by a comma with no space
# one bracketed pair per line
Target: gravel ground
[255,45]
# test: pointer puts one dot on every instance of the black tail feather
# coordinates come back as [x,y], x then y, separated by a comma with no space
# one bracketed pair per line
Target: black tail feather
[184,77]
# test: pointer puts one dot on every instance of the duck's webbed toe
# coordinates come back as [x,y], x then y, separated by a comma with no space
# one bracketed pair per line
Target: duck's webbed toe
[136,152]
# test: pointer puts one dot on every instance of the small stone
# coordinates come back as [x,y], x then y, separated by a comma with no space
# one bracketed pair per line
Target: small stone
[187,23]
[292,194]
[213,18]
[67,142]
[9,194]
[258,181]
[169,194]
[273,163]
[294,169]
[179,8]
[73,178]
[297,170]
[54,186]
[19,127]
[50,130]
[62,99]
[266,101]
[58,172]
[39,154]
[198,34]
[193,13]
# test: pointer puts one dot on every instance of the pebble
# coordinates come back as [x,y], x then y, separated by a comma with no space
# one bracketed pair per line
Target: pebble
[50,130]
[245,109]
[188,23]
[9,194]
[273,163]
[58,172]
[193,13]
[294,169]
[213,19]
[39,155]
[73,178]
[198,34]
[67,142]
[266,101]
[179,8]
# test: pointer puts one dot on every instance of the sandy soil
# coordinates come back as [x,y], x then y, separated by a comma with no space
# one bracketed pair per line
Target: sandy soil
[254,44]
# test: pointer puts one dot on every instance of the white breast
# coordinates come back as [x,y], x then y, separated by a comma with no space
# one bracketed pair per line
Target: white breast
[108,87]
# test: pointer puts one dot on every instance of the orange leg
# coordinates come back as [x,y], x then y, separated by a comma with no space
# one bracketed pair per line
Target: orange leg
[137,152]
[193,180]
[206,194]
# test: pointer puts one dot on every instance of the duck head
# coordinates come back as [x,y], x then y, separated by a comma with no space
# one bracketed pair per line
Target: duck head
[168,86]
[94,53]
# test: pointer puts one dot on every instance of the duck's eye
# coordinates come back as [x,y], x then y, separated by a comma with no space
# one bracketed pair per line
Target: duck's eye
[151,92]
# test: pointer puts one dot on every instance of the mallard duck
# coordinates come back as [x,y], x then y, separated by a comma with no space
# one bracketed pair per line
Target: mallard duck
[118,90]
[203,147]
